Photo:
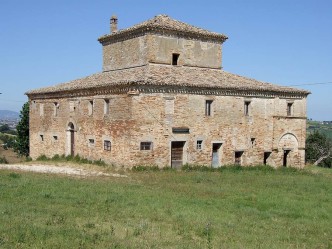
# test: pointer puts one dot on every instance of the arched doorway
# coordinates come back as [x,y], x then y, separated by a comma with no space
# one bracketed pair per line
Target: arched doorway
[288,144]
[71,138]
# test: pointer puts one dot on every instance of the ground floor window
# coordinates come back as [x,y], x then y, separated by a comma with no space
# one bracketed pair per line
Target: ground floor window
[107,145]
[146,146]
[199,144]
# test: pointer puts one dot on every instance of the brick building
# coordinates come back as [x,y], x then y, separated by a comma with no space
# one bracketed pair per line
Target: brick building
[163,99]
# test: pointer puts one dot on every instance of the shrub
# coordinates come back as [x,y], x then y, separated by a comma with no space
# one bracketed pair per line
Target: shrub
[42,158]
[56,157]
[3,160]
[99,163]
[69,158]
[8,141]
[140,168]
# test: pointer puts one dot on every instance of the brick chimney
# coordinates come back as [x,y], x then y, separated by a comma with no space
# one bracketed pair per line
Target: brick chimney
[114,24]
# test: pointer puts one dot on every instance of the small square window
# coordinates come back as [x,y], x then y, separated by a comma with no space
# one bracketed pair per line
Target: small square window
[253,141]
[208,107]
[175,59]
[199,144]
[107,145]
[146,146]
[55,138]
[91,141]
[246,107]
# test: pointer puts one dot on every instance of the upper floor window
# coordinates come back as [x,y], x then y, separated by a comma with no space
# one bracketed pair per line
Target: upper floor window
[106,106]
[90,107]
[175,59]
[56,108]
[289,109]
[208,107]
[246,108]
[41,109]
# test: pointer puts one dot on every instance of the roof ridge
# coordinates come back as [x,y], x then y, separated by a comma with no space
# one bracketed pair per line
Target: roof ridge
[163,23]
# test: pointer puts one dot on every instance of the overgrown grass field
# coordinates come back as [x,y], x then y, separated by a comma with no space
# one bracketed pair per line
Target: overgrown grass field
[232,208]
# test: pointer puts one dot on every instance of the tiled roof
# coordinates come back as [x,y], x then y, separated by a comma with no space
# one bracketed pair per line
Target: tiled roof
[167,75]
[165,23]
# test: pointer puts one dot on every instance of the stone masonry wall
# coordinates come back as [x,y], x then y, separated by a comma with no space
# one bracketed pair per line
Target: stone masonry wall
[132,119]
[253,134]
[141,50]
[125,54]
[192,52]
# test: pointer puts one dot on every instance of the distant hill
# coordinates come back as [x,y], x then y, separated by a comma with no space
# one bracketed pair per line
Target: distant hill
[324,127]
[5,114]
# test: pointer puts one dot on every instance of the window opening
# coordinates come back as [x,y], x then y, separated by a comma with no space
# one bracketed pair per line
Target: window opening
[55,138]
[72,106]
[252,141]
[199,144]
[107,145]
[208,107]
[175,59]
[91,141]
[289,109]
[56,107]
[41,137]
[106,106]
[146,146]
[246,108]
[41,106]
[90,107]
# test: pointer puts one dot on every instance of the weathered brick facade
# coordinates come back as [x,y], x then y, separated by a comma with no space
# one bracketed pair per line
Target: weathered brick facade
[162,99]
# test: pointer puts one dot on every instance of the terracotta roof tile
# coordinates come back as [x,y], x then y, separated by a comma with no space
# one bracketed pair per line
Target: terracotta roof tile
[161,75]
[165,23]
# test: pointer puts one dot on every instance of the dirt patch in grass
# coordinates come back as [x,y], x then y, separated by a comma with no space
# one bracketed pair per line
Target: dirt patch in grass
[10,155]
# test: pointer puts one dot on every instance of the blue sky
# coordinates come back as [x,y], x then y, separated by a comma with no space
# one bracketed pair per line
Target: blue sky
[287,42]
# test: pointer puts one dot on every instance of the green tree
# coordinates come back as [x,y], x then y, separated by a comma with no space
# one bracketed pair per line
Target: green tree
[22,141]
[4,128]
[319,149]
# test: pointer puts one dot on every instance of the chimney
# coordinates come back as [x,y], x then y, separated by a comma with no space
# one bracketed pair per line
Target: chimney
[114,24]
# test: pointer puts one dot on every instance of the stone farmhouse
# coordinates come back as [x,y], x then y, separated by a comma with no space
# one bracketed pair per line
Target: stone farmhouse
[163,99]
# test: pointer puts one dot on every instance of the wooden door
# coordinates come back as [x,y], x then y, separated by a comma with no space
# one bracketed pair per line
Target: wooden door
[177,154]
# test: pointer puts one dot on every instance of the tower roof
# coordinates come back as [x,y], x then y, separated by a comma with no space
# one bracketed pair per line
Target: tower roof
[163,24]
